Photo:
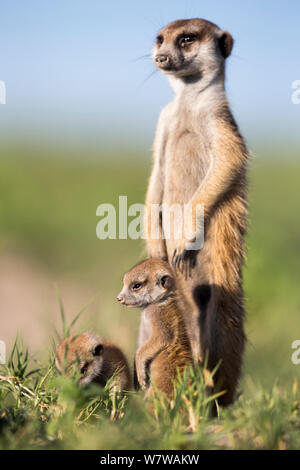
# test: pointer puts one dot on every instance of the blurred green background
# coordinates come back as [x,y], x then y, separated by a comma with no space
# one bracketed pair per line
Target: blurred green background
[48,234]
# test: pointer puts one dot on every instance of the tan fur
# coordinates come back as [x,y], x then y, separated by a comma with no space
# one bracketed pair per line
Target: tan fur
[200,158]
[97,366]
[166,346]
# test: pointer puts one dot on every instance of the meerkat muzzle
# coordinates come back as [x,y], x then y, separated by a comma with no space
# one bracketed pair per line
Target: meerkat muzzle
[162,59]
[121,299]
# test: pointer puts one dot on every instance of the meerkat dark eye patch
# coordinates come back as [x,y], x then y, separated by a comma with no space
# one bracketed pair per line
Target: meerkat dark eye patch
[136,286]
[226,44]
[186,39]
[159,39]
[166,281]
[84,368]
[98,350]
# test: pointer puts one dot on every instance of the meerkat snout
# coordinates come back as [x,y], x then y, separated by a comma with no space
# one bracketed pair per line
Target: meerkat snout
[121,299]
[162,60]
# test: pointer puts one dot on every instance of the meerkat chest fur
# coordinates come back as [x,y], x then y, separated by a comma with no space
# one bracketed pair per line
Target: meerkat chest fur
[185,133]
[166,321]
[175,353]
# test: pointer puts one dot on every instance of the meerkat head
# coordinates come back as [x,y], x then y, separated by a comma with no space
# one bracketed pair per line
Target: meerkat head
[150,281]
[191,48]
[83,352]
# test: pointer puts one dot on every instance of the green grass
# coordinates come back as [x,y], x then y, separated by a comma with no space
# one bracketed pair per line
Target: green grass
[48,214]
[38,410]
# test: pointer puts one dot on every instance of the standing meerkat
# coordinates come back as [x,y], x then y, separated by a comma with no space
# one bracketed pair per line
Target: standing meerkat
[97,360]
[200,158]
[165,347]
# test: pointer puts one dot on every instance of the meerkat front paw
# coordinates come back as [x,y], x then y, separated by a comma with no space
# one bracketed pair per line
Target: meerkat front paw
[184,259]
[142,378]
[141,372]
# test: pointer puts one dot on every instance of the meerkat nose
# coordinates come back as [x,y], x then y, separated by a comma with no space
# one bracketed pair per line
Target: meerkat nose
[162,58]
[120,299]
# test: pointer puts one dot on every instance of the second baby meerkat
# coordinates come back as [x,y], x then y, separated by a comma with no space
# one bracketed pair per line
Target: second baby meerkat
[165,347]
[97,360]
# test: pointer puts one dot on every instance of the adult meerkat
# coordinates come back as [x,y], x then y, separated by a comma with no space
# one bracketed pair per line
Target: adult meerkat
[97,360]
[165,347]
[200,158]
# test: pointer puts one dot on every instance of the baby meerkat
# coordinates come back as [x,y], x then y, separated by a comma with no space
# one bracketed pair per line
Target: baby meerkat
[97,360]
[200,161]
[165,348]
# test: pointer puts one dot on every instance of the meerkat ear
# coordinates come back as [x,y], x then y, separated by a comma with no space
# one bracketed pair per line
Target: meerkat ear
[225,44]
[97,351]
[166,281]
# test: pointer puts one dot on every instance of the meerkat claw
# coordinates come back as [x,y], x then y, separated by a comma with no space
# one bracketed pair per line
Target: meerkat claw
[173,262]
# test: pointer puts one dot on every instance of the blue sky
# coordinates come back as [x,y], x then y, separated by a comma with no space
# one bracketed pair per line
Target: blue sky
[70,70]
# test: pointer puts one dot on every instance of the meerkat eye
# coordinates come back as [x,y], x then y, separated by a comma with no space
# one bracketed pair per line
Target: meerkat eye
[186,40]
[84,368]
[98,350]
[137,286]
[159,40]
